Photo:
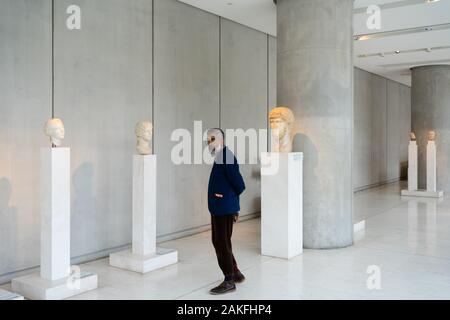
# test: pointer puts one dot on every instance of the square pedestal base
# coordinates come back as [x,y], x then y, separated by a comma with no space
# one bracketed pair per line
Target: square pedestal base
[360,226]
[143,264]
[423,193]
[35,288]
[6,295]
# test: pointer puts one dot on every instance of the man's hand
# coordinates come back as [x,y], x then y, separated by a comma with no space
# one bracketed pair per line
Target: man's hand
[236,218]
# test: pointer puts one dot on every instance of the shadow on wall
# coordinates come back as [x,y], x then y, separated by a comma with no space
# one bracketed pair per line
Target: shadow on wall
[256,175]
[83,231]
[311,184]
[404,170]
[8,227]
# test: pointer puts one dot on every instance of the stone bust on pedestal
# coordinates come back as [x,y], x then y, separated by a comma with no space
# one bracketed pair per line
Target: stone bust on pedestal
[144,134]
[431,136]
[54,129]
[281,121]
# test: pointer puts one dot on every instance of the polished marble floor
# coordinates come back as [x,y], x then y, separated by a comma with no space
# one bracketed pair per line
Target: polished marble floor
[406,239]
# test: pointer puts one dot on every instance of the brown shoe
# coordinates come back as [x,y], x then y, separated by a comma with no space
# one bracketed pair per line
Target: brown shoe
[224,287]
[238,277]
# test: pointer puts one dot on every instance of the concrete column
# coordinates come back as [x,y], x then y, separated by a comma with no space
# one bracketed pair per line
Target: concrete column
[315,79]
[430,99]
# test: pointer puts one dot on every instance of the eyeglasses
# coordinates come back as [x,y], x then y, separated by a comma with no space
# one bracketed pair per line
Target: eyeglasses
[211,140]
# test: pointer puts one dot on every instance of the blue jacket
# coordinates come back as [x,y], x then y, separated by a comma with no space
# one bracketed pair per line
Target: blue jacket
[225,185]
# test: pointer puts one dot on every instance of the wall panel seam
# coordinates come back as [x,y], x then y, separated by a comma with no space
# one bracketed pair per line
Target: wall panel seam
[268,91]
[153,74]
[53,58]
[220,72]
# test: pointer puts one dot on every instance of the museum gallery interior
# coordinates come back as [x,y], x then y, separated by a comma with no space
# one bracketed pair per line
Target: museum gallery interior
[113,114]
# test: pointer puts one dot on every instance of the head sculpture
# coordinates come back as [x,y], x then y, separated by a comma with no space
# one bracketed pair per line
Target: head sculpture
[54,129]
[281,122]
[431,136]
[216,140]
[144,135]
[412,136]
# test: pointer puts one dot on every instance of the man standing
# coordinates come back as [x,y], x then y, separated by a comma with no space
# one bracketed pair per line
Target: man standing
[225,186]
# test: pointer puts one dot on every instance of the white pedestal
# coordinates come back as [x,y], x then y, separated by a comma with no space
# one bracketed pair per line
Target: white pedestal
[34,287]
[423,193]
[143,264]
[360,226]
[144,256]
[431,191]
[431,166]
[6,295]
[282,204]
[412,166]
[55,271]
[55,213]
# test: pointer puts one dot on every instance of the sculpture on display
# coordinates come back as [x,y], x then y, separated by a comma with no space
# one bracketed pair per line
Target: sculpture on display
[144,255]
[54,129]
[431,136]
[56,279]
[281,121]
[431,171]
[144,134]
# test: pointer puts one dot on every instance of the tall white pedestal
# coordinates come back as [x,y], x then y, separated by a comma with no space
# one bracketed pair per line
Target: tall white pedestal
[55,280]
[431,191]
[431,166]
[144,256]
[412,166]
[282,204]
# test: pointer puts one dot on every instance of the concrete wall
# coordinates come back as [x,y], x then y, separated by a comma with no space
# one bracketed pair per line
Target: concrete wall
[186,90]
[272,71]
[382,115]
[205,68]
[244,92]
[103,85]
[25,104]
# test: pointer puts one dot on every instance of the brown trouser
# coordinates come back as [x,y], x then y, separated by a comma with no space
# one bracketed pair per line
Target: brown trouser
[222,230]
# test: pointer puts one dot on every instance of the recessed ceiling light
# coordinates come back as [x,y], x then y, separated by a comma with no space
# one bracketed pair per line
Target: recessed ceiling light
[431,1]
[397,51]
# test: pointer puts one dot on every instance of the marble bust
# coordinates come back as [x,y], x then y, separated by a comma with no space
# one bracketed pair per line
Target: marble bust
[281,121]
[412,136]
[144,134]
[431,136]
[54,129]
